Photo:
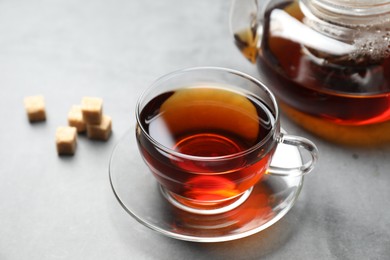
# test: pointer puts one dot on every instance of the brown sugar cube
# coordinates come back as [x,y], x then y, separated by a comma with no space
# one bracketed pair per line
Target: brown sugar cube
[75,119]
[66,140]
[35,108]
[92,109]
[101,131]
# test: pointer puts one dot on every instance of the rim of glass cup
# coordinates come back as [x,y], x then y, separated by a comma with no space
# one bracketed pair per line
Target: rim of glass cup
[209,158]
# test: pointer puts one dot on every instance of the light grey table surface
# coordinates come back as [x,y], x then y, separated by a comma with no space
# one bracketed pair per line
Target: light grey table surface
[53,207]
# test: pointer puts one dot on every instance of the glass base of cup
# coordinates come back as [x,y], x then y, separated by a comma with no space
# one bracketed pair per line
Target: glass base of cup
[205,208]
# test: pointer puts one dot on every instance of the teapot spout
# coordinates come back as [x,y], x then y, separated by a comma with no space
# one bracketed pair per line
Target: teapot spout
[245,25]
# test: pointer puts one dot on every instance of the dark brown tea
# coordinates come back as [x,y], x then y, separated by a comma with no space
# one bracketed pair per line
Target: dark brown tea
[216,131]
[326,94]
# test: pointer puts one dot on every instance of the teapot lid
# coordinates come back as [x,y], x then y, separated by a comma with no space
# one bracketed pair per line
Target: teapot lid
[352,12]
[355,7]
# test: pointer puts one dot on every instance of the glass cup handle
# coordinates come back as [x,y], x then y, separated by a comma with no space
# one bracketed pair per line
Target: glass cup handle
[306,167]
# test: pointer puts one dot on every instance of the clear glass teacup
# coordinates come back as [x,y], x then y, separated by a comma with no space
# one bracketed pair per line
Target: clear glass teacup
[208,136]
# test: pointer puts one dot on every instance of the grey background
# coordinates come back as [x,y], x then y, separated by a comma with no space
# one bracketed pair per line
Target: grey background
[55,207]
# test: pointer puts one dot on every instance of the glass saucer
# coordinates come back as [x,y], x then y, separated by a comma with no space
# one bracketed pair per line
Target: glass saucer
[140,195]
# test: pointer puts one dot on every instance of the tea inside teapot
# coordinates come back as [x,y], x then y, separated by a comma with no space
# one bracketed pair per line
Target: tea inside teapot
[329,67]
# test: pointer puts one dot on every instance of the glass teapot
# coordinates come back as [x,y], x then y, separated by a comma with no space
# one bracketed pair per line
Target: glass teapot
[327,61]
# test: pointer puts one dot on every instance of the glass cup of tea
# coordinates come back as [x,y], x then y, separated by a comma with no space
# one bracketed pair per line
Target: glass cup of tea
[208,136]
